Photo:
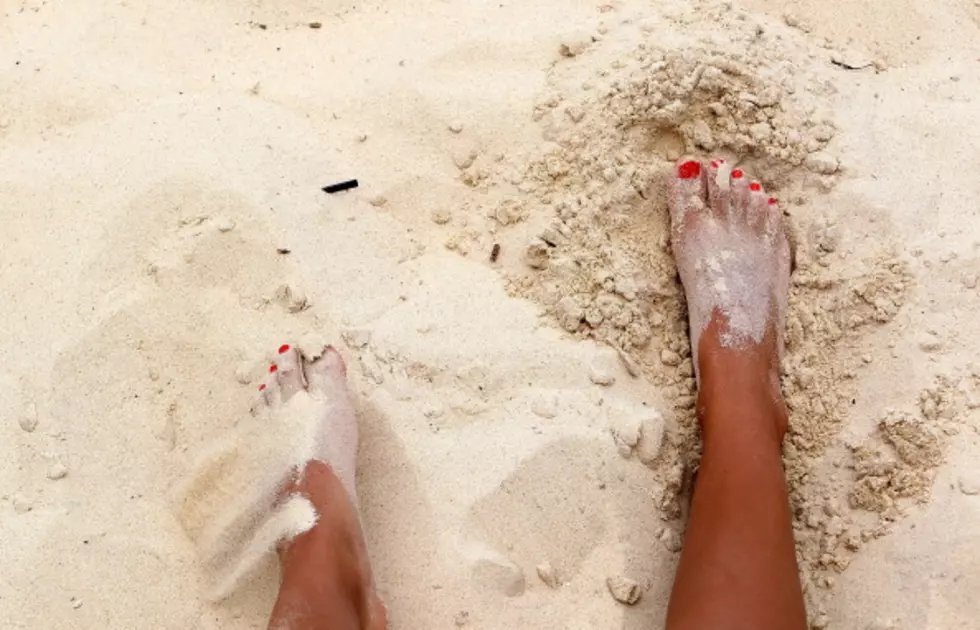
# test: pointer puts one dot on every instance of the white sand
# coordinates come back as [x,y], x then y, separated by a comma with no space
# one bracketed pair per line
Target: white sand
[153,160]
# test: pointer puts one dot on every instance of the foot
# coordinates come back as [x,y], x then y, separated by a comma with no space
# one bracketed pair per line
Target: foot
[733,256]
[317,389]
[326,576]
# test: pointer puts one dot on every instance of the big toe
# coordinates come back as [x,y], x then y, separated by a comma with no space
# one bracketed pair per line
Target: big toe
[326,375]
[687,196]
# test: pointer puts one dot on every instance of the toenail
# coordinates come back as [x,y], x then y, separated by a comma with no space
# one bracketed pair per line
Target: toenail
[689,169]
[261,387]
[284,348]
[273,367]
[773,201]
[737,174]
[755,186]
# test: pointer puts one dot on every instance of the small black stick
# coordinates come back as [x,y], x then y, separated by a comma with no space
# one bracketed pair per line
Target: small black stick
[339,187]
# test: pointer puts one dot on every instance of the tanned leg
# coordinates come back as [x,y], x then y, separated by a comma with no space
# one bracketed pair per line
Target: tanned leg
[738,569]
[326,576]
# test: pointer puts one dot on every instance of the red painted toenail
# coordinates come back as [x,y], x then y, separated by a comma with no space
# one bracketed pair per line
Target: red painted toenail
[755,186]
[261,387]
[273,368]
[714,163]
[773,201]
[737,174]
[284,348]
[689,169]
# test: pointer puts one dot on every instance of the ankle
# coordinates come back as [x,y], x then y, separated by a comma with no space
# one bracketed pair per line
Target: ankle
[740,390]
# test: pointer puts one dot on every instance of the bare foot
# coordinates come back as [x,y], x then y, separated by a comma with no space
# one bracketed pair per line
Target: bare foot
[733,256]
[326,575]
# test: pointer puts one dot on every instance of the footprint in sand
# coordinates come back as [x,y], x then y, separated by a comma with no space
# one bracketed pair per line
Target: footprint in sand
[572,499]
[180,237]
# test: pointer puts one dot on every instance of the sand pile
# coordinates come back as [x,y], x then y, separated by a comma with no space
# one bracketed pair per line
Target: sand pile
[598,256]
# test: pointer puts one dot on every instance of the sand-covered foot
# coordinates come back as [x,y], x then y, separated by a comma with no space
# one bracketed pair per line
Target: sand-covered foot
[326,574]
[318,390]
[733,255]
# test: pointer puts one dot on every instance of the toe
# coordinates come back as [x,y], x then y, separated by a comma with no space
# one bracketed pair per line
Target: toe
[326,376]
[757,206]
[719,187]
[739,194]
[773,223]
[289,371]
[270,392]
[687,195]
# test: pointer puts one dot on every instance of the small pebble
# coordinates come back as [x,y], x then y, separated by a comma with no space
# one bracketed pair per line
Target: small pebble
[928,342]
[462,618]
[378,200]
[537,254]
[441,216]
[28,420]
[671,540]
[545,406]
[822,163]
[969,485]
[57,471]
[624,590]
[574,44]
[225,224]
[626,431]
[455,127]
[547,574]
[601,376]
[243,373]
[76,603]
[362,137]
[628,363]
[22,504]
[669,357]
[465,159]
[651,438]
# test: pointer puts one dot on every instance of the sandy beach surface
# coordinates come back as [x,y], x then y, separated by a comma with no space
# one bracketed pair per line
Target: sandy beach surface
[527,426]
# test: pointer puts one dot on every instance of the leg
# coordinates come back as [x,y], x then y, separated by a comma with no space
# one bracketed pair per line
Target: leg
[738,568]
[326,578]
